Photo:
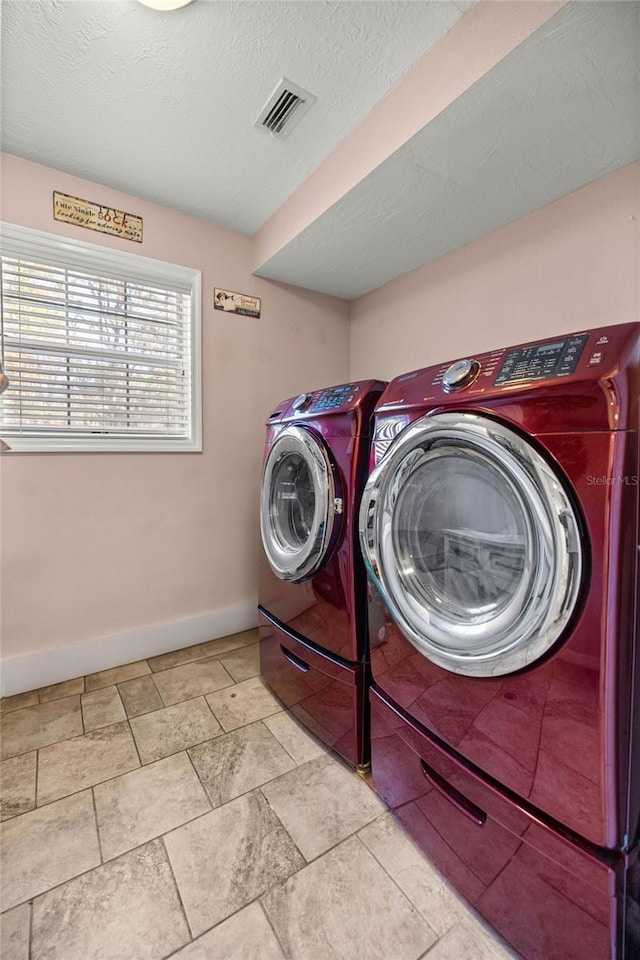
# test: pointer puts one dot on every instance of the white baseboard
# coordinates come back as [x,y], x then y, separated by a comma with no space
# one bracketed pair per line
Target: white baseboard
[33,670]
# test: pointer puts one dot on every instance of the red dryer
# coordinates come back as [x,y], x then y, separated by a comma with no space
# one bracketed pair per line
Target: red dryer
[312,602]
[500,532]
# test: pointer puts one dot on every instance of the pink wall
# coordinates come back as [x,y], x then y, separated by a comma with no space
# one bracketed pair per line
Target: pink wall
[95,545]
[573,264]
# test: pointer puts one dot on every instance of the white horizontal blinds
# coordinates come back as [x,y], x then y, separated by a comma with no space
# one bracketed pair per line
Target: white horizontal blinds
[91,355]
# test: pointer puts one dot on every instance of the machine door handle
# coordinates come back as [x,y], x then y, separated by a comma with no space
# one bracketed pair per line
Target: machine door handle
[296,661]
[460,802]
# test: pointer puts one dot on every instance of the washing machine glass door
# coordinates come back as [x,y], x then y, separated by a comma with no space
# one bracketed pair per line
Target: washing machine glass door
[298,504]
[473,542]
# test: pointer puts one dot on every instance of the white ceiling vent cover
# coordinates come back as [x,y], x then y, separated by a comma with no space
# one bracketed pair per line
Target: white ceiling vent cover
[284,109]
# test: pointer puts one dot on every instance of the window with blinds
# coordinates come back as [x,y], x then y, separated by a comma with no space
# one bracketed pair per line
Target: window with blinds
[101,348]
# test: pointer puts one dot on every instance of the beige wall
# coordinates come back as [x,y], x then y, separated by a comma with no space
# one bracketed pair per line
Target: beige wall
[571,265]
[94,545]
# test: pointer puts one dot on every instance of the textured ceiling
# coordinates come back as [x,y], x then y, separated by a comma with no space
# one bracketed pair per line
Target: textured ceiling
[162,106]
[562,109]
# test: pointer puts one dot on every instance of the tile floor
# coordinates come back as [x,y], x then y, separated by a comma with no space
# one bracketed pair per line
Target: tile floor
[172,808]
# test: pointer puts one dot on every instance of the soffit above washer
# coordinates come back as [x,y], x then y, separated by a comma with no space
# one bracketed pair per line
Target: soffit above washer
[560,110]
[162,106]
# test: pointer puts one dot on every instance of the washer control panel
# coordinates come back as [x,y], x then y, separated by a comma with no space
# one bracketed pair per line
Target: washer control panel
[578,359]
[333,398]
[557,359]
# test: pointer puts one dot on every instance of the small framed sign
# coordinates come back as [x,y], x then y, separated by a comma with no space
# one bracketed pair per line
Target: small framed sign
[232,302]
[95,216]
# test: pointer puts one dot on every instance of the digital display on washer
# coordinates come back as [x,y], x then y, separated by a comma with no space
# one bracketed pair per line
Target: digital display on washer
[332,399]
[557,359]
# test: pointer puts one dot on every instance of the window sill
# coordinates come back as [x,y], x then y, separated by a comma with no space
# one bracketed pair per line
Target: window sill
[108,445]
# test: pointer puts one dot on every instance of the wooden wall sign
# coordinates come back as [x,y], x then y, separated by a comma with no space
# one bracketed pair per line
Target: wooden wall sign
[232,302]
[95,216]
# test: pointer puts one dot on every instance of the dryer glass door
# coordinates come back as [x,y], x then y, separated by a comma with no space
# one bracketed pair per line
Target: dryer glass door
[473,543]
[297,510]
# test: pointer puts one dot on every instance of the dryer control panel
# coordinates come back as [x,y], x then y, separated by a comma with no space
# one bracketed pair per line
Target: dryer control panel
[557,359]
[333,398]
[359,395]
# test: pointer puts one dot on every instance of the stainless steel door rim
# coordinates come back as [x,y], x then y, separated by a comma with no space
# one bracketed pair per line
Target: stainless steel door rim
[298,504]
[473,542]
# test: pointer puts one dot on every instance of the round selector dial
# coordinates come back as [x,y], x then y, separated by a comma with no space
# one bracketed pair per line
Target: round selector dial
[460,374]
[303,401]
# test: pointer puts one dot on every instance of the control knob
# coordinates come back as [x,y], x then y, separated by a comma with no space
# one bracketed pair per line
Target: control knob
[303,401]
[460,374]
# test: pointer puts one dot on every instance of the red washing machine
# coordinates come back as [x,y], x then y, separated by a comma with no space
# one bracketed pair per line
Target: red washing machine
[500,532]
[312,603]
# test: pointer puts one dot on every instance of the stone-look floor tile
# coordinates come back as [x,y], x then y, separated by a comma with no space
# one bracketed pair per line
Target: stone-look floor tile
[45,847]
[228,857]
[18,785]
[173,729]
[101,708]
[244,936]
[299,742]
[191,680]
[68,688]
[413,873]
[18,701]
[345,905]
[214,648]
[200,651]
[467,940]
[243,703]
[146,803]
[33,727]
[140,696]
[244,663]
[239,761]
[67,767]
[165,661]
[107,678]
[127,909]
[321,803]
[14,933]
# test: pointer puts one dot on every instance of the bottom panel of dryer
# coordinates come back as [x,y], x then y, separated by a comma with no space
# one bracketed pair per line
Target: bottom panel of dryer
[547,896]
[328,697]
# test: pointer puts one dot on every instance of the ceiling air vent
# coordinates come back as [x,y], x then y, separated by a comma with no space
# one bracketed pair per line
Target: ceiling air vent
[284,109]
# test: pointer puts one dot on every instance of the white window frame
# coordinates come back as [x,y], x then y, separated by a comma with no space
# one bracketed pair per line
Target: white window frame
[19,241]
